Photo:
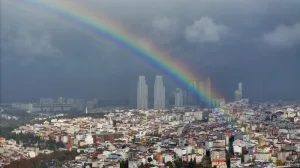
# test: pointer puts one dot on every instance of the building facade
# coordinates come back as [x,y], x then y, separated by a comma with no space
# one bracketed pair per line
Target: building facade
[159,94]
[142,93]
[178,98]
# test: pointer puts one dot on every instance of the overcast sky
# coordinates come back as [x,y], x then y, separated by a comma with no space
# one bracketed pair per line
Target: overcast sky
[253,41]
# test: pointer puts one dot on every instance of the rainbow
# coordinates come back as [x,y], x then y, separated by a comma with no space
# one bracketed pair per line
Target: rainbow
[101,27]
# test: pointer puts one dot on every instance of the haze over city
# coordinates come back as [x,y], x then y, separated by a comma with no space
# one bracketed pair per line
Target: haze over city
[254,42]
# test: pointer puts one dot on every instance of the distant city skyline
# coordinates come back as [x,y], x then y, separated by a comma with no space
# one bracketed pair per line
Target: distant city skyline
[161,101]
[131,102]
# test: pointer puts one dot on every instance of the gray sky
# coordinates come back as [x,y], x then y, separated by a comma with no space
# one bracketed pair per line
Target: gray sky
[252,41]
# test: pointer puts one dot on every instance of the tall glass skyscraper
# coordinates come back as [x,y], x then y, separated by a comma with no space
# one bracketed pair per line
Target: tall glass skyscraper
[238,94]
[142,93]
[178,98]
[159,94]
[204,85]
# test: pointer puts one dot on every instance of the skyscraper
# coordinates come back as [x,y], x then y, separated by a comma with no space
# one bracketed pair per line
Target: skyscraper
[142,93]
[159,93]
[61,100]
[205,86]
[238,94]
[191,92]
[240,86]
[241,89]
[208,90]
[178,98]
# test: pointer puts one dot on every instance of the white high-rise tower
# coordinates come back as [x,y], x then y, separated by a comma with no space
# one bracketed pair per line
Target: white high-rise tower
[241,89]
[238,94]
[142,93]
[159,94]
[240,86]
[178,98]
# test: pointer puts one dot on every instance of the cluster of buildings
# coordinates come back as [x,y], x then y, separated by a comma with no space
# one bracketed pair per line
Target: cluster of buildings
[10,151]
[52,105]
[266,134]
[8,117]
[182,97]
[261,134]
[273,128]
[127,135]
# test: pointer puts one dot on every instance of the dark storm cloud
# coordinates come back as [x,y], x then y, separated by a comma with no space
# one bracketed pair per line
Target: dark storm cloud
[231,41]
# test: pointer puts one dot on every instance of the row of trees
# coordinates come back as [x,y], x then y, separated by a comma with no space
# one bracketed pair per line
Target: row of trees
[230,152]
[6,132]
[30,140]
[176,164]
[56,158]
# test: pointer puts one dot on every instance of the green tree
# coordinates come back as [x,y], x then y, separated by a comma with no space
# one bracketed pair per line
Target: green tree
[169,164]
[142,165]
[124,164]
[42,160]
[242,158]
[227,158]
[279,163]
[191,164]
[270,160]
[178,163]
[207,153]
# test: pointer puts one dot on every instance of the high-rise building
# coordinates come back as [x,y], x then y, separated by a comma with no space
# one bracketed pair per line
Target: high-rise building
[240,86]
[70,101]
[208,90]
[80,104]
[198,115]
[191,92]
[46,100]
[241,89]
[61,100]
[90,105]
[159,93]
[205,86]
[178,98]
[142,93]
[185,97]
[238,94]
